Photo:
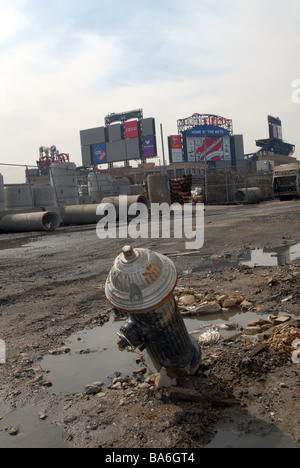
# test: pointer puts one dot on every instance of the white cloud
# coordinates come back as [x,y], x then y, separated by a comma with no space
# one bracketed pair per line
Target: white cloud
[237,59]
[12,20]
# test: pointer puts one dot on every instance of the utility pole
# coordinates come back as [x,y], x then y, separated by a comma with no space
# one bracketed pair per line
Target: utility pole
[206,175]
[163,149]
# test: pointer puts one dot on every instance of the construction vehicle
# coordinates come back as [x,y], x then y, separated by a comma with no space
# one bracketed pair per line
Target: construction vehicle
[286,181]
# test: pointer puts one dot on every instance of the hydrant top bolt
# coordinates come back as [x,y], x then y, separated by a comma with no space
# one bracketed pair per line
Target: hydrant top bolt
[129,254]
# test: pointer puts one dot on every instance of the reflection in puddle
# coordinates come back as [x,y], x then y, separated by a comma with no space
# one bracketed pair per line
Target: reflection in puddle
[250,257]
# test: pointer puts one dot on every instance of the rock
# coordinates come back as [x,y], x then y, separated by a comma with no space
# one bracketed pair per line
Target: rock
[232,301]
[144,385]
[208,308]
[142,370]
[257,322]
[93,388]
[222,298]
[164,380]
[13,431]
[245,305]
[116,386]
[282,319]
[253,330]
[187,300]
[42,415]
[62,350]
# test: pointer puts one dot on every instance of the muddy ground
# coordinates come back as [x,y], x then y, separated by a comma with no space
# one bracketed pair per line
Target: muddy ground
[247,388]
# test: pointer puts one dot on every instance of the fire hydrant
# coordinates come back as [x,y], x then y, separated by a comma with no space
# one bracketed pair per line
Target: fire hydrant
[141,284]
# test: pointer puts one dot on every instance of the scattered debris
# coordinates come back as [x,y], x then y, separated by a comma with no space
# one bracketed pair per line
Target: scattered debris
[61,350]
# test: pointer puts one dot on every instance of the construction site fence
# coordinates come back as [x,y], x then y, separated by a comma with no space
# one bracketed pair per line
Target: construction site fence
[217,186]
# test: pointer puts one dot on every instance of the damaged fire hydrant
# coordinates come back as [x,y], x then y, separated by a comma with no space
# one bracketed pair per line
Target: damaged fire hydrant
[141,284]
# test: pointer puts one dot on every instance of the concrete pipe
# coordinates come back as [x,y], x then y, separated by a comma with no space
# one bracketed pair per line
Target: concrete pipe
[30,222]
[130,200]
[248,195]
[81,214]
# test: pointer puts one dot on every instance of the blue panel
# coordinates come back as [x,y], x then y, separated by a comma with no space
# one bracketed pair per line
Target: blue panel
[99,153]
[207,130]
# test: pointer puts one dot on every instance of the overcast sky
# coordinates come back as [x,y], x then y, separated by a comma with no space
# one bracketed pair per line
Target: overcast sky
[66,64]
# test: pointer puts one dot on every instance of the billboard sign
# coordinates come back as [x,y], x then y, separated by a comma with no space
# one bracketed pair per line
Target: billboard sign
[208,149]
[275,129]
[131,129]
[175,141]
[149,146]
[99,153]
[177,156]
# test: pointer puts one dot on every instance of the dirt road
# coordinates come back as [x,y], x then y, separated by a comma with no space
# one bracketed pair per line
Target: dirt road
[52,285]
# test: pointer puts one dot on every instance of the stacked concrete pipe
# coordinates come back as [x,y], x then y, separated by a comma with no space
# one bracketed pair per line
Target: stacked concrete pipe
[87,214]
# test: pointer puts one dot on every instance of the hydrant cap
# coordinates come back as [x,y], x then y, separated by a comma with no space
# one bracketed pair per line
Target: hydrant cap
[140,280]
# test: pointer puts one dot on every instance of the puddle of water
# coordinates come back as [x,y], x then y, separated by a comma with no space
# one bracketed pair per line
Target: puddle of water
[257,257]
[8,244]
[33,433]
[232,438]
[94,357]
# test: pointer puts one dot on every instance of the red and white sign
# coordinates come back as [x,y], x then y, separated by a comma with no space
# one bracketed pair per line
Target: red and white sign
[209,149]
[131,129]
[176,141]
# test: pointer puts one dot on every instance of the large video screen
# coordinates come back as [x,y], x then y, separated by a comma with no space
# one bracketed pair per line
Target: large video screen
[208,149]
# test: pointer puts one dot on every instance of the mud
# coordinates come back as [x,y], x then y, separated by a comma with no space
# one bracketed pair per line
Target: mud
[52,289]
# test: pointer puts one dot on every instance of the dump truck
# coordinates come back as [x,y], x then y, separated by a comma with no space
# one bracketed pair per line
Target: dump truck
[286,181]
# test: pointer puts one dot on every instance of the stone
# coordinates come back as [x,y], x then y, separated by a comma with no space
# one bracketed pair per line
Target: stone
[257,322]
[282,319]
[116,386]
[245,305]
[208,308]
[164,380]
[231,302]
[42,415]
[142,370]
[222,298]
[13,431]
[252,330]
[93,388]
[61,350]
[187,300]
